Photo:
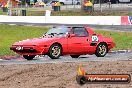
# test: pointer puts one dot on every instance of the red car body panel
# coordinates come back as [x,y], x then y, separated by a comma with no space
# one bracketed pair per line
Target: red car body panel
[70,45]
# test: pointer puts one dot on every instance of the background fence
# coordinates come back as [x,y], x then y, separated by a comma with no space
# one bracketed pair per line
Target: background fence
[40,11]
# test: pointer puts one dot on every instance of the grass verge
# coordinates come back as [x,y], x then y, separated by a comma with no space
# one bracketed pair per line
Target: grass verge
[10,34]
[2,13]
[123,40]
[96,13]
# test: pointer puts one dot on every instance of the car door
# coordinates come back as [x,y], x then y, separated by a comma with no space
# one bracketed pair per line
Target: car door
[80,42]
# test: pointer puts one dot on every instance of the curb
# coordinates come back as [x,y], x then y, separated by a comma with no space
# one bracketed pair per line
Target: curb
[121,51]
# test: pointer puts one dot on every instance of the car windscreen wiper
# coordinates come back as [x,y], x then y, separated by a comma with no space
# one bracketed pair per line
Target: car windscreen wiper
[60,33]
[52,34]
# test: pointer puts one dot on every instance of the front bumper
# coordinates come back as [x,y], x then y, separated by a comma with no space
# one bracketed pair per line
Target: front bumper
[28,50]
[111,45]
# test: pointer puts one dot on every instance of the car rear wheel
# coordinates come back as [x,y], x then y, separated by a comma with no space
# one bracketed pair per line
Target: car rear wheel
[55,51]
[75,56]
[29,57]
[101,50]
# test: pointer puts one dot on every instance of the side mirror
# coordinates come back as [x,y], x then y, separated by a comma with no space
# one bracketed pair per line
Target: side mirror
[72,35]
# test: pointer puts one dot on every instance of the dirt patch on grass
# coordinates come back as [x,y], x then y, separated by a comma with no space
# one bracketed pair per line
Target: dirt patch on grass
[6,57]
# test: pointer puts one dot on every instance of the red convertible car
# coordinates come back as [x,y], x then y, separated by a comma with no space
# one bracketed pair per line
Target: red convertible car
[63,40]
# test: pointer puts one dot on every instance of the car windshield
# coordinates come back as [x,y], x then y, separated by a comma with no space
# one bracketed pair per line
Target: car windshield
[57,32]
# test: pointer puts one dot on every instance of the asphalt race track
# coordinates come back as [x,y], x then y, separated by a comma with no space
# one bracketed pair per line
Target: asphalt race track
[127,28]
[112,56]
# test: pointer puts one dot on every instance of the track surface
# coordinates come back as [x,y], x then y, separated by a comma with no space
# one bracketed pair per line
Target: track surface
[119,56]
[127,28]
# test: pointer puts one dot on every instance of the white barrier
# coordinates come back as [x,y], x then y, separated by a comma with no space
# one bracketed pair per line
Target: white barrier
[99,20]
[24,19]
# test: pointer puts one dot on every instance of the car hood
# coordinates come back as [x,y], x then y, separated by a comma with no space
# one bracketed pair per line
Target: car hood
[34,41]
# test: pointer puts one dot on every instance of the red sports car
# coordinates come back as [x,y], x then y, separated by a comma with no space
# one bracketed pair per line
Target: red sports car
[63,40]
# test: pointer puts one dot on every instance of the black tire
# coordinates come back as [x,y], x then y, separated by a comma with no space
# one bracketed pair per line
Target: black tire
[29,57]
[81,80]
[101,50]
[78,3]
[74,56]
[53,50]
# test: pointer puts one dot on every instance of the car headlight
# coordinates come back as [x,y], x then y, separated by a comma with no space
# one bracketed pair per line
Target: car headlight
[19,48]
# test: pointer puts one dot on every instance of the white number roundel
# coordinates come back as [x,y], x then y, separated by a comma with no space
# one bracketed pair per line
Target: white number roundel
[95,38]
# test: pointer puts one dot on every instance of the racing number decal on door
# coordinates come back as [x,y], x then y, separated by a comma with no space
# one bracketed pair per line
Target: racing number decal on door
[95,38]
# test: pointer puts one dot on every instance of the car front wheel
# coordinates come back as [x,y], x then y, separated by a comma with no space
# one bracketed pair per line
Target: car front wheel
[55,51]
[29,57]
[101,50]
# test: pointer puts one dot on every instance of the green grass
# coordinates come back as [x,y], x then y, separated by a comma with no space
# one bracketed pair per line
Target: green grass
[2,13]
[123,40]
[41,12]
[28,13]
[11,34]
[96,13]
[36,13]
[72,13]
